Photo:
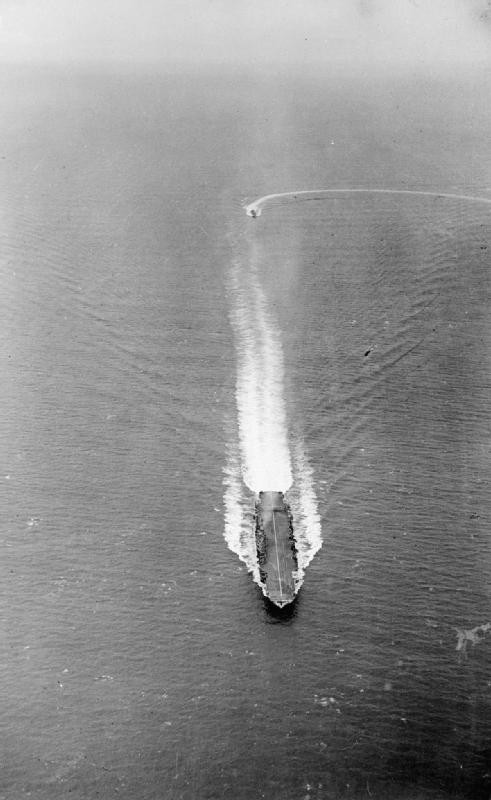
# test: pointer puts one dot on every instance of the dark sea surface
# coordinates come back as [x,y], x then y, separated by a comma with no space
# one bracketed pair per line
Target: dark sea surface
[140,660]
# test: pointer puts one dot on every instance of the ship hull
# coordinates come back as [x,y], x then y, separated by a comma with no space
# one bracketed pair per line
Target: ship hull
[276,550]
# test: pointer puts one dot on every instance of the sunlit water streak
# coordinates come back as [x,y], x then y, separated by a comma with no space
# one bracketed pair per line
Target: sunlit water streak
[262,454]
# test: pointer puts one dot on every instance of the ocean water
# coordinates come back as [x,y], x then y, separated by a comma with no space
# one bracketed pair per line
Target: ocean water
[164,356]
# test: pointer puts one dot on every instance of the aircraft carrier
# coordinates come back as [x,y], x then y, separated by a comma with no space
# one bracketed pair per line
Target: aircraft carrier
[276,549]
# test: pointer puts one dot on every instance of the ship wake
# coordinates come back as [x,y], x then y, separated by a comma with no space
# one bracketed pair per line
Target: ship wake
[254,209]
[263,455]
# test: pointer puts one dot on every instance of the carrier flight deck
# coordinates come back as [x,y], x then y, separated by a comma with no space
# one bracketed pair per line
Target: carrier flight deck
[276,550]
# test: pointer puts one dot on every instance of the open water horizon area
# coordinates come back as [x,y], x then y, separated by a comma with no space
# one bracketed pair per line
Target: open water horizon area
[164,355]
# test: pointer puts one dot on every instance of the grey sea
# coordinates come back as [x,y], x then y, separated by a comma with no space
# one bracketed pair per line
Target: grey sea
[140,658]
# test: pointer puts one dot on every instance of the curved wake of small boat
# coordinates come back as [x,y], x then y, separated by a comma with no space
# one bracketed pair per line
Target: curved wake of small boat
[254,209]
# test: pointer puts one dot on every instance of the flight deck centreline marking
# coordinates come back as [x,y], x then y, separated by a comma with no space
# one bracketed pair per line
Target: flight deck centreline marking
[277,559]
[254,209]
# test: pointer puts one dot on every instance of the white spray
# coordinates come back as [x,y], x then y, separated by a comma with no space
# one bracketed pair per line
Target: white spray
[259,457]
[262,420]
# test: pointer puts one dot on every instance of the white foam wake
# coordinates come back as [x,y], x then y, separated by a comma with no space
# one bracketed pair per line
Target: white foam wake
[303,503]
[239,513]
[254,209]
[263,429]
[262,455]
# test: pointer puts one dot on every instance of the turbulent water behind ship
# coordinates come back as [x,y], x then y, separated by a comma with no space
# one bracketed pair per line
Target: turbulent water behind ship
[263,455]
